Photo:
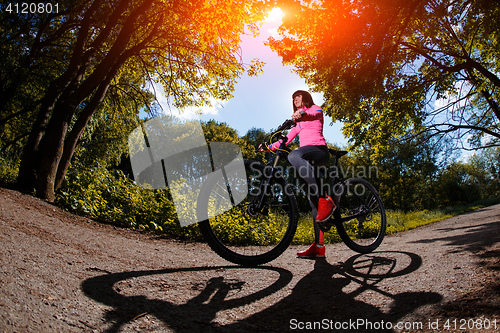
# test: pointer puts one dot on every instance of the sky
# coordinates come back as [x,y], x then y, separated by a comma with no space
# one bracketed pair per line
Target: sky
[264,101]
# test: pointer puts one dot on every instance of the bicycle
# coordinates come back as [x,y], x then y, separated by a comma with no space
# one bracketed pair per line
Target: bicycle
[260,228]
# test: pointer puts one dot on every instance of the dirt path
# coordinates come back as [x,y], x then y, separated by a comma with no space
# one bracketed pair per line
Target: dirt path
[62,273]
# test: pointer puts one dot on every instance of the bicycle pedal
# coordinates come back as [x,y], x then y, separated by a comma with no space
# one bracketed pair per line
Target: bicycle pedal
[325,226]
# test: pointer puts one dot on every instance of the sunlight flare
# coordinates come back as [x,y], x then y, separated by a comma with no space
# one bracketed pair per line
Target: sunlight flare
[275,15]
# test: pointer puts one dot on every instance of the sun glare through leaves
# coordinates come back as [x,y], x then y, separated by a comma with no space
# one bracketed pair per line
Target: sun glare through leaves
[273,21]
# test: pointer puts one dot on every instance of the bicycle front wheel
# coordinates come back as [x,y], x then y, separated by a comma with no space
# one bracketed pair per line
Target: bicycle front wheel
[250,233]
[360,215]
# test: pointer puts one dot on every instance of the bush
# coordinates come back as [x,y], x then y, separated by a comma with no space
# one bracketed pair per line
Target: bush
[305,231]
[8,170]
[114,198]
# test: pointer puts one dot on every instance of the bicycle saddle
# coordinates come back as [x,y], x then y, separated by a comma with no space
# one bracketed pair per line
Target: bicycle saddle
[337,153]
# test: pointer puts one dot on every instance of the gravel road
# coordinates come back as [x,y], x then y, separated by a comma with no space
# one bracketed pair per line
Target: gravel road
[64,273]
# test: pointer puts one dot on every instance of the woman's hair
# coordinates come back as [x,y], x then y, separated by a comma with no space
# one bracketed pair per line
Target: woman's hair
[306,99]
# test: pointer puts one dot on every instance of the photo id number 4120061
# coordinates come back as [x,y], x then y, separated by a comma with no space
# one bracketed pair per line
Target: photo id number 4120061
[31,8]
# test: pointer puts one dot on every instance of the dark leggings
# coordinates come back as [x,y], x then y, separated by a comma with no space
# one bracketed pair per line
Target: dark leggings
[303,159]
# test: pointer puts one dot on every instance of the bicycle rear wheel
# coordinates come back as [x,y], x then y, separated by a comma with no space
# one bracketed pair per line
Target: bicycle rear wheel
[360,216]
[244,234]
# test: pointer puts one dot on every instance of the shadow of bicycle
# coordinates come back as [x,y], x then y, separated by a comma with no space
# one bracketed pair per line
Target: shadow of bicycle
[328,294]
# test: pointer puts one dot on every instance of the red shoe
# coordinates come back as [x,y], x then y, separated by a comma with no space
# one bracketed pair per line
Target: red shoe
[314,251]
[326,207]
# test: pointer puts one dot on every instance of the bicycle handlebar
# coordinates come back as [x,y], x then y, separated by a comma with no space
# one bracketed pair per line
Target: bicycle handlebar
[287,124]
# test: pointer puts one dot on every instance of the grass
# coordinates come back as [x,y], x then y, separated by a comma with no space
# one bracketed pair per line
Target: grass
[457,210]
[397,221]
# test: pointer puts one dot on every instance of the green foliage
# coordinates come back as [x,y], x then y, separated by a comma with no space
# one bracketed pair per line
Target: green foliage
[305,231]
[456,185]
[114,198]
[8,169]
[221,132]
[57,71]
[250,231]
[104,139]
[413,176]
[404,172]
[398,221]
[410,181]
[382,65]
[485,166]
[254,137]
[465,182]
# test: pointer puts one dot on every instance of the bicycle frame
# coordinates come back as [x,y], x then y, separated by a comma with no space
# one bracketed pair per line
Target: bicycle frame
[337,180]
[273,163]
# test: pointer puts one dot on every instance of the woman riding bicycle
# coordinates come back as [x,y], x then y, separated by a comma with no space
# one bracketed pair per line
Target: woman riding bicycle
[312,152]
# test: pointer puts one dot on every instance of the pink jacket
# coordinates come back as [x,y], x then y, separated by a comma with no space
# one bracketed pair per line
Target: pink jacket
[309,128]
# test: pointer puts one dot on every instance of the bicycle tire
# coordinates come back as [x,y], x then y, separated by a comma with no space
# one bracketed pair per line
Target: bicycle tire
[245,237]
[357,197]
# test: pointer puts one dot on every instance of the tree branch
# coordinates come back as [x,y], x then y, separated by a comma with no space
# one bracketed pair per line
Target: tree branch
[450,69]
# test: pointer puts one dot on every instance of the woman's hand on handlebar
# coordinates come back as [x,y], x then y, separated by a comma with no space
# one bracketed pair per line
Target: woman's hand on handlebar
[297,115]
[263,148]
[277,135]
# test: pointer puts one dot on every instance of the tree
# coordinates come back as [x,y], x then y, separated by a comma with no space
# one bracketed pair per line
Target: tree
[456,185]
[383,66]
[221,132]
[255,136]
[484,166]
[104,140]
[403,173]
[65,62]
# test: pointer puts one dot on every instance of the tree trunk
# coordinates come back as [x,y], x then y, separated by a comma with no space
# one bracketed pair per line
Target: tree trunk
[52,148]
[78,128]
[29,159]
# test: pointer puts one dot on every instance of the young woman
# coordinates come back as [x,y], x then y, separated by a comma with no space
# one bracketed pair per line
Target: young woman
[313,151]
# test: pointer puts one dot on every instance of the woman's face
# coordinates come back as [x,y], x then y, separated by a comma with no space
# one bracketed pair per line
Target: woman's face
[297,101]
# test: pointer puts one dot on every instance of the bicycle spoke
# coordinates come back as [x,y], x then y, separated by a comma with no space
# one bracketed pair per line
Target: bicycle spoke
[363,215]
[254,231]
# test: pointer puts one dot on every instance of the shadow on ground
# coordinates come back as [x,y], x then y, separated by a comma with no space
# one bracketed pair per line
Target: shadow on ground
[474,238]
[483,300]
[320,296]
